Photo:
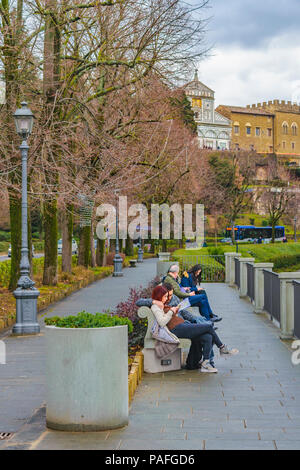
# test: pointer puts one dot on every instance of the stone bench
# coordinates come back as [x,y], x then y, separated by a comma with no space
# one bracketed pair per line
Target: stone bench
[151,363]
[132,263]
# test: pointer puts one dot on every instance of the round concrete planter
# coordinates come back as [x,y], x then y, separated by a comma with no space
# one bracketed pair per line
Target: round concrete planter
[87,378]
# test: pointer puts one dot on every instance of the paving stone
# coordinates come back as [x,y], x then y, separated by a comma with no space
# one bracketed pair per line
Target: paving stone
[288,445]
[222,444]
[252,403]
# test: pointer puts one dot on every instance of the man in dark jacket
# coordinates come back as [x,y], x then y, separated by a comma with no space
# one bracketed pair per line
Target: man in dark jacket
[199,300]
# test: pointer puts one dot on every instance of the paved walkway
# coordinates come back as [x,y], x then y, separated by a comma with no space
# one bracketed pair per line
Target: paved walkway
[252,403]
[22,379]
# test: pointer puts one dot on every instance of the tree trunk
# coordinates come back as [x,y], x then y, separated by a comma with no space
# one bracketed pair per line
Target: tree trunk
[10,60]
[112,246]
[51,84]
[84,246]
[29,237]
[100,253]
[51,235]
[67,235]
[93,251]
[273,232]
[15,210]
[129,247]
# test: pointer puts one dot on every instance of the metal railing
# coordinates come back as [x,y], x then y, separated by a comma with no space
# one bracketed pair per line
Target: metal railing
[250,282]
[213,266]
[272,294]
[297,309]
[237,270]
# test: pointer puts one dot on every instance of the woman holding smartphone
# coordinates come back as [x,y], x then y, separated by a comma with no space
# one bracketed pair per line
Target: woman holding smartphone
[202,335]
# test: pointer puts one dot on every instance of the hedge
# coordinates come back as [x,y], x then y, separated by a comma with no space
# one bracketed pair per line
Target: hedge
[88,320]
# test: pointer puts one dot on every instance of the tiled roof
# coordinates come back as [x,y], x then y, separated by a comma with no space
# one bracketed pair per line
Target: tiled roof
[240,109]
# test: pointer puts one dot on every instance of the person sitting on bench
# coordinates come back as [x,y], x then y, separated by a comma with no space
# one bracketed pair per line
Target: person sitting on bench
[200,300]
[174,301]
[191,280]
[202,336]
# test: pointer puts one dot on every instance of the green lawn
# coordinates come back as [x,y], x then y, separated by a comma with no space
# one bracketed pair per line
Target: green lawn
[285,256]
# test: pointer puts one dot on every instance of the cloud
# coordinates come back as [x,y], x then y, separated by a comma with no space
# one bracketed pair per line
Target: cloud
[242,76]
[250,23]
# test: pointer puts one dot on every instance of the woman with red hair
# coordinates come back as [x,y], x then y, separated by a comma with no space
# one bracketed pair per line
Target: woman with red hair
[202,335]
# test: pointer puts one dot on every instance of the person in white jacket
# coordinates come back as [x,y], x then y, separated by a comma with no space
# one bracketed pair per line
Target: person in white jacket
[201,335]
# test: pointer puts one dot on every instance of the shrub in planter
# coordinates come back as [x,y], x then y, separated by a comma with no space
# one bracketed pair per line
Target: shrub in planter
[87,372]
[88,320]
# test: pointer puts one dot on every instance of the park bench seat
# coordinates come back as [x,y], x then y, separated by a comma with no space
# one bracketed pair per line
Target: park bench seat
[132,263]
[151,363]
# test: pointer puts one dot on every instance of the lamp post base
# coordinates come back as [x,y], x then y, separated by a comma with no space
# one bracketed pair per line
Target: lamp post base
[140,255]
[118,264]
[26,312]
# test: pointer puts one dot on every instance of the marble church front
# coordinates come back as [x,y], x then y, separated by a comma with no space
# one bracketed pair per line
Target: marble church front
[214,130]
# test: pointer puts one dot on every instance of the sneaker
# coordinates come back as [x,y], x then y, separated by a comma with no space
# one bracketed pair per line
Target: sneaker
[214,318]
[224,350]
[207,367]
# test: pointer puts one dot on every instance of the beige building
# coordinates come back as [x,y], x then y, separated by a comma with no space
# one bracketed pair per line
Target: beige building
[269,127]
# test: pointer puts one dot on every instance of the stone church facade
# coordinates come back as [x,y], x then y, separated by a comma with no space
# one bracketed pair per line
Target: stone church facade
[214,130]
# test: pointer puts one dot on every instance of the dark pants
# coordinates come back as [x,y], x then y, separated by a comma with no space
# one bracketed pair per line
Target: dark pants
[202,336]
[201,301]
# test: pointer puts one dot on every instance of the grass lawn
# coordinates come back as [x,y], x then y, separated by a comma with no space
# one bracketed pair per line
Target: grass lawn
[285,256]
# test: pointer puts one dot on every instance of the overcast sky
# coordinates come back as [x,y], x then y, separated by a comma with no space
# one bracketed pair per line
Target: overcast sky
[255,53]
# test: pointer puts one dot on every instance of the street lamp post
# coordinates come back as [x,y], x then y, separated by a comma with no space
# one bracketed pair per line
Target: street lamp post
[295,229]
[140,250]
[204,230]
[26,294]
[118,262]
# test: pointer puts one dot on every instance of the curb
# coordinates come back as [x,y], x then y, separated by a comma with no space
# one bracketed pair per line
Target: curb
[135,374]
[46,301]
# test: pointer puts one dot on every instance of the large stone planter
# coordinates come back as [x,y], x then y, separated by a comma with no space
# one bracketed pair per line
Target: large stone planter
[87,378]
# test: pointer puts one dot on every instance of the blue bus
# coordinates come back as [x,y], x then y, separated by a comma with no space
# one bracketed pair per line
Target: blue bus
[250,233]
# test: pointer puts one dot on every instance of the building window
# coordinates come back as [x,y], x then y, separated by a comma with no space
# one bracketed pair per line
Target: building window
[285,128]
[196,115]
[294,129]
[236,129]
[248,130]
[271,149]
[269,132]
[293,145]
[237,147]
[283,144]
[257,131]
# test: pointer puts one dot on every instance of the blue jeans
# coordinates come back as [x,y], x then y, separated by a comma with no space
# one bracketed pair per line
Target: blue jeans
[202,336]
[202,302]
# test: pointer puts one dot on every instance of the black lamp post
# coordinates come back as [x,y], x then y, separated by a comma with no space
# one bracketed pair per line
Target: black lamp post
[26,294]
[204,223]
[140,249]
[118,262]
[295,229]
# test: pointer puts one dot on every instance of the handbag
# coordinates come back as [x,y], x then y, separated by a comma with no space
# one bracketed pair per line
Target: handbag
[163,334]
